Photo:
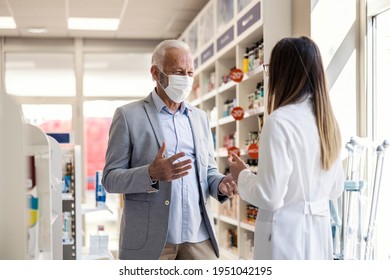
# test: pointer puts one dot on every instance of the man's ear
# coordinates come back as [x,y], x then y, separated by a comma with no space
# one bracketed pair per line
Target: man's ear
[155,73]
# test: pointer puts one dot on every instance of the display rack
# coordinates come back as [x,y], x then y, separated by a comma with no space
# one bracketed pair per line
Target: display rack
[220,44]
[74,210]
[13,206]
[71,203]
[56,197]
[46,155]
[26,154]
[214,92]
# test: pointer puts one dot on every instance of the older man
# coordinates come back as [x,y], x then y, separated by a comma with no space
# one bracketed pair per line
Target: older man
[160,157]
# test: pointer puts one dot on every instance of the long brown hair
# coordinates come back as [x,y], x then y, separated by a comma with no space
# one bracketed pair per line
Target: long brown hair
[295,72]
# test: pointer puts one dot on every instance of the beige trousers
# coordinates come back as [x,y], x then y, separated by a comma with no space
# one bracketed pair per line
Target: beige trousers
[189,251]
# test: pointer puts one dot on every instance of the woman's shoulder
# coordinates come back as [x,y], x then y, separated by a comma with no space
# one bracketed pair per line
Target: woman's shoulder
[292,117]
[282,113]
[293,111]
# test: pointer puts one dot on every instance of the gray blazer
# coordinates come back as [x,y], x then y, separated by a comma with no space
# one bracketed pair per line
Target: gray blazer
[134,140]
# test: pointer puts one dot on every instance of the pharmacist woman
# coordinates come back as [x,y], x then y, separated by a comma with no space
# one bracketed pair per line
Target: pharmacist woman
[299,158]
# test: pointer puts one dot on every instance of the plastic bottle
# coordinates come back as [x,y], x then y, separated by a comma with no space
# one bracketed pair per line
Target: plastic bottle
[66,227]
[250,59]
[245,62]
[261,52]
[261,100]
[256,59]
[100,191]
[257,96]
[67,184]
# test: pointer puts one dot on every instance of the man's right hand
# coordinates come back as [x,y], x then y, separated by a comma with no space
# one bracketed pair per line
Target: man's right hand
[168,169]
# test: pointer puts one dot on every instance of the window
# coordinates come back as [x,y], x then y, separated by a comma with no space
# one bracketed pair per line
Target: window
[43,74]
[340,58]
[380,115]
[117,74]
[49,117]
[97,120]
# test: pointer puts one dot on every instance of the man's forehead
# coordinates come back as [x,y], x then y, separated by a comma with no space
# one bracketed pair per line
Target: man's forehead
[174,59]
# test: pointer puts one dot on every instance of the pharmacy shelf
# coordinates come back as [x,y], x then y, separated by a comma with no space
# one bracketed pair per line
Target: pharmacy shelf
[215,93]
[45,235]
[13,231]
[71,202]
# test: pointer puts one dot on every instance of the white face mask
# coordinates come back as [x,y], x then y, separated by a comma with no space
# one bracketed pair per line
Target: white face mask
[179,87]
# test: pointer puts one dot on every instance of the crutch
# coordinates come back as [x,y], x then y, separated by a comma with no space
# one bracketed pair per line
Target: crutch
[374,199]
[351,237]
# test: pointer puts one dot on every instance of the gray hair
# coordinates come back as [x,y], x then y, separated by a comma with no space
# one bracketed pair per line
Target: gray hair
[160,50]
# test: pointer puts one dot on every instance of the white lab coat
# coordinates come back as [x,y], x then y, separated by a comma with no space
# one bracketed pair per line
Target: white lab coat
[291,189]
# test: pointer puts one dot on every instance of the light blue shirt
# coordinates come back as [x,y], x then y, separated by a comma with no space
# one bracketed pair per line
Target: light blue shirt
[185,220]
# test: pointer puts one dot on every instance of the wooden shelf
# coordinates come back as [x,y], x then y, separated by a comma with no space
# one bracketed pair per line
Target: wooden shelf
[219,65]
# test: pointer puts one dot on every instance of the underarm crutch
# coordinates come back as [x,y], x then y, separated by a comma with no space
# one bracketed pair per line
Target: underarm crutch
[351,237]
[374,199]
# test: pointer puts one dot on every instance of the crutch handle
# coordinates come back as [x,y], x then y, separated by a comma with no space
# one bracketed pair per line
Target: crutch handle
[386,144]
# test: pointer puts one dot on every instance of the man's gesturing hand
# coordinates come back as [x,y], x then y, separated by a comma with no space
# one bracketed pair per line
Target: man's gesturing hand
[168,169]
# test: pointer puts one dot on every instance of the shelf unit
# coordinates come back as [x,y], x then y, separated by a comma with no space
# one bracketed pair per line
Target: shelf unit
[47,160]
[74,239]
[71,202]
[44,154]
[31,162]
[219,44]
[13,214]
[213,90]
[56,197]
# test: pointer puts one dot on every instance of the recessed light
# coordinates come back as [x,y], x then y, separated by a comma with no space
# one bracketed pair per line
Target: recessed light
[7,23]
[37,30]
[93,23]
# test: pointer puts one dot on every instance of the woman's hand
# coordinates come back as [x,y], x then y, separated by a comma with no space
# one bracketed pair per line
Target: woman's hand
[236,166]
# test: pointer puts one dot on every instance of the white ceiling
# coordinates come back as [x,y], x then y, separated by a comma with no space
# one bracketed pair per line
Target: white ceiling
[139,19]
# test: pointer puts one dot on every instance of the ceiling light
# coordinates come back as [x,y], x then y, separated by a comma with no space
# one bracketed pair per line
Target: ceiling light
[93,23]
[7,23]
[37,30]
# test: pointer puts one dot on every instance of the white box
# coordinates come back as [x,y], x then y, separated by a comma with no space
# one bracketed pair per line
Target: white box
[94,244]
[103,244]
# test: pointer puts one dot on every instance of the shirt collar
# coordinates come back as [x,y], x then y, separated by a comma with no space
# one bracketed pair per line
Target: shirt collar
[160,105]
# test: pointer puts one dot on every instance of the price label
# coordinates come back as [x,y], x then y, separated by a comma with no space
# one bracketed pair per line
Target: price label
[253,151]
[238,113]
[233,149]
[236,75]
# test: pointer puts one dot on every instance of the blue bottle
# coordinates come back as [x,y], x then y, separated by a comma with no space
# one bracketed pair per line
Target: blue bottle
[99,189]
